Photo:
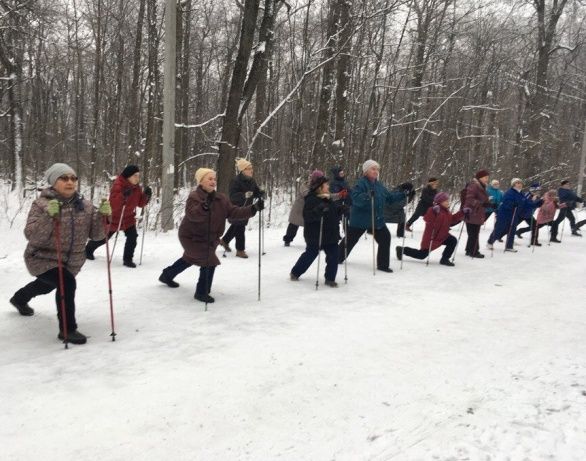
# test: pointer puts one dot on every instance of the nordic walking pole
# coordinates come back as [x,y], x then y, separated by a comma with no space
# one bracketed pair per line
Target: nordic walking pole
[510,228]
[403,243]
[345,221]
[431,240]
[108,264]
[534,230]
[458,241]
[259,249]
[321,229]
[145,224]
[117,231]
[57,227]
[373,231]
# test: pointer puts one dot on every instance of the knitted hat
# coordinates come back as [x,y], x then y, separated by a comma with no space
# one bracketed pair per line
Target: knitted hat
[242,164]
[369,164]
[481,174]
[564,182]
[495,183]
[129,171]
[56,170]
[535,187]
[516,180]
[201,172]
[441,197]
[317,182]
[432,179]
[315,174]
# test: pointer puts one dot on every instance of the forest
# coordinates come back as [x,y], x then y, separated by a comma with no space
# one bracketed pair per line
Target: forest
[425,87]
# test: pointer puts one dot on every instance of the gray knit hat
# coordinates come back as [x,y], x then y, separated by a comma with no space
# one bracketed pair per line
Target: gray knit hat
[56,170]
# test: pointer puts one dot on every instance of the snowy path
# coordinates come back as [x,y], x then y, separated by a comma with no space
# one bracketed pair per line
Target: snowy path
[485,361]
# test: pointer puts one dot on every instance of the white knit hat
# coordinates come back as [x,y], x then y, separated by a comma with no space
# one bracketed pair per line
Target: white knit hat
[242,164]
[55,171]
[515,180]
[201,173]
[369,164]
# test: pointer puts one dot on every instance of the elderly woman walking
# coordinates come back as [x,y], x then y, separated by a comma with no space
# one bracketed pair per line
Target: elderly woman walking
[58,226]
[200,231]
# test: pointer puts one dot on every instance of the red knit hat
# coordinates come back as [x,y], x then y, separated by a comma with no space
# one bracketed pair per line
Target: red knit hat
[481,174]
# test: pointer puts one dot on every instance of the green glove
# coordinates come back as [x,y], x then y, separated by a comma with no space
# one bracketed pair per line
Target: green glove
[53,208]
[105,208]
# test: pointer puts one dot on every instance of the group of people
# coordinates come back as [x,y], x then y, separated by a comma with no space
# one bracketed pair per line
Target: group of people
[63,229]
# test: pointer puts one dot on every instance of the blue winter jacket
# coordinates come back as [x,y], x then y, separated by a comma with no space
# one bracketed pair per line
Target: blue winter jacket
[496,197]
[529,207]
[569,197]
[360,213]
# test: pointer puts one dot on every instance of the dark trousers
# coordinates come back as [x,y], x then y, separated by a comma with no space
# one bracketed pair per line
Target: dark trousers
[47,282]
[500,230]
[579,224]
[382,237]
[206,275]
[401,230]
[563,214]
[131,237]
[450,242]
[236,230]
[473,230]
[534,228]
[416,215]
[311,252]
[291,233]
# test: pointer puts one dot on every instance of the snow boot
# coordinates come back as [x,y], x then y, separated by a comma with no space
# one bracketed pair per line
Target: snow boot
[555,240]
[287,244]
[204,298]
[129,263]
[226,247]
[73,337]
[331,283]
[241,254]
[89,254]
[23,308]
[385,269]
[167,281]
[446,262]
[293,277]
[510,250]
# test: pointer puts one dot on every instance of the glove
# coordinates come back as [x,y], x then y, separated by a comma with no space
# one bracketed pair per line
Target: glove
[259,193]
[53,208]
[466,211]
[259,205]
[406,187]
[436,209]
[105,208]
[127,192]
[343,194]
[248,194]
[148,192]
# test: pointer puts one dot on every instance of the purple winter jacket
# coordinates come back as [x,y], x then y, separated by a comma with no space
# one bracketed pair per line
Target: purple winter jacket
[476,200]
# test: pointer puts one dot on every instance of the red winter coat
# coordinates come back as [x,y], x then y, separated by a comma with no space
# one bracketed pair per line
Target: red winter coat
[137,198]
[199,233]
[437,226]
[476,200]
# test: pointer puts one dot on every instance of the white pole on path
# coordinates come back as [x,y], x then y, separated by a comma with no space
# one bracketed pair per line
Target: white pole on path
[321,229]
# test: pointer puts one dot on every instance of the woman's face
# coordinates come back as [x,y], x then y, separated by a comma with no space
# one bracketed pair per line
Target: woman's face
[134,179]
[208,182]
[66,185]
[372,173]
[248,171]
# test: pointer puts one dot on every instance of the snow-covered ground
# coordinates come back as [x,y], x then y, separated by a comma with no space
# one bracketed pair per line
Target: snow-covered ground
[484,361]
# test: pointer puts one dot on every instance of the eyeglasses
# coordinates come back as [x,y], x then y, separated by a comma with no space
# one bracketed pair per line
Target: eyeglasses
[66,178]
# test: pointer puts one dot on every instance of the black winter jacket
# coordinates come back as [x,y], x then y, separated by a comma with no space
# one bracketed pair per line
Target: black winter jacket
[237,191]
[313,210]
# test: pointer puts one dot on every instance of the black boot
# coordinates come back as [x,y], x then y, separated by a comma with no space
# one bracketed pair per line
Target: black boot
[446,262]
[399,251]
[23,308]
[204,298]
[167,281]
[129,263]
[89,253]
[73,337]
